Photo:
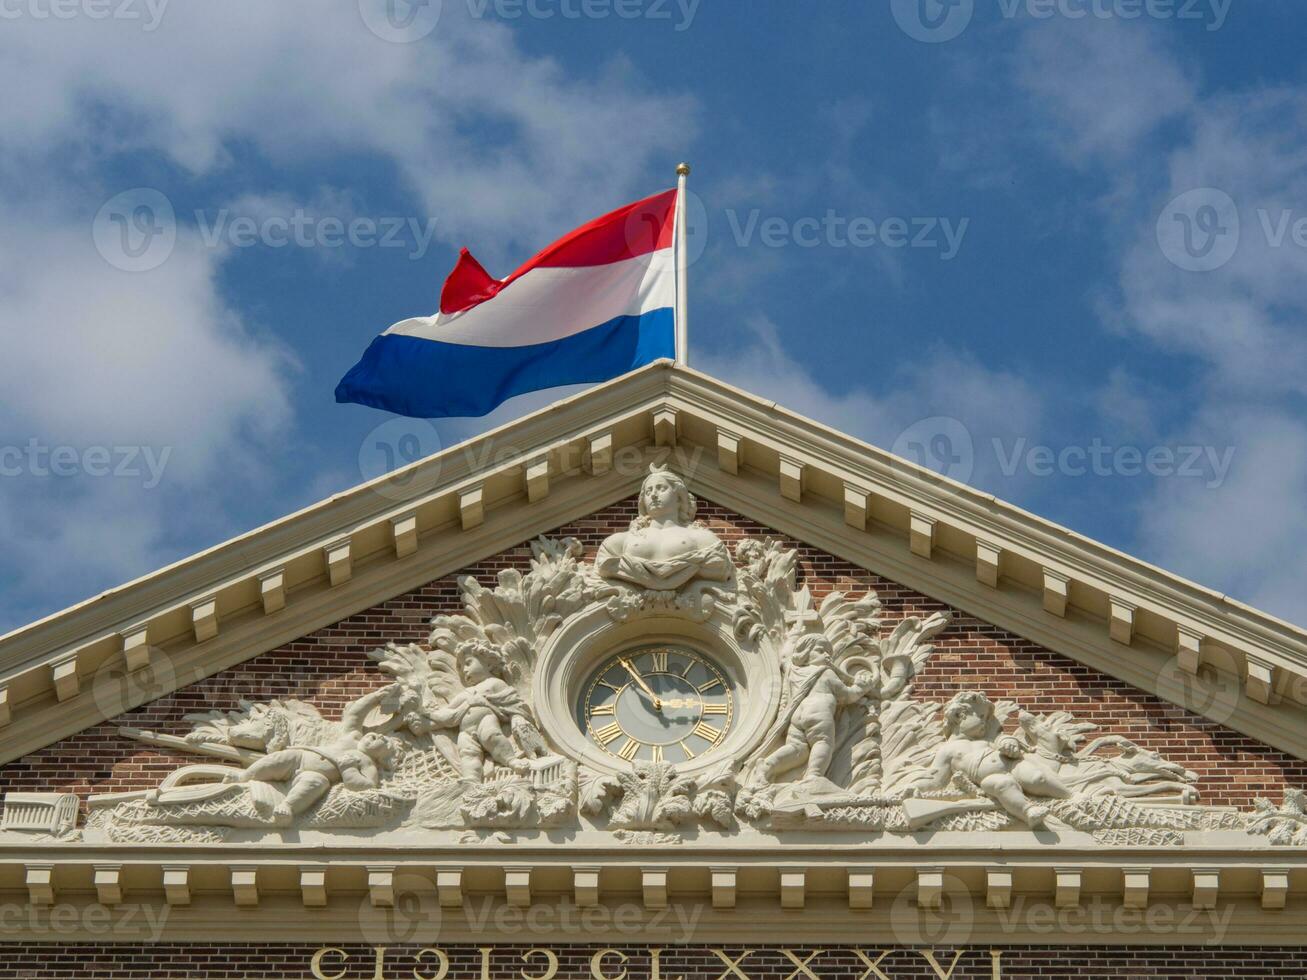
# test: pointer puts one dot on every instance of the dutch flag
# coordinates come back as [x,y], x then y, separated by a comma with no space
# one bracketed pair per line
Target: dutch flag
[593,305]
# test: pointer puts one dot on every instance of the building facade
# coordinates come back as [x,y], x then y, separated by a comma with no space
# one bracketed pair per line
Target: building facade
[660,682]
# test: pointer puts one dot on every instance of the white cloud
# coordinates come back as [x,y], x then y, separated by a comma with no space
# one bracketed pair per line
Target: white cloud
[501,148]
[945,385]
[1112,98]
[1249,535]
[1099,87]
[302,80]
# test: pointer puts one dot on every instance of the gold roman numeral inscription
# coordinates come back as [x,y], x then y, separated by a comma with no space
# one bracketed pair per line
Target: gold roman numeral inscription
[689,752]
[705,730]
[629,750]
[602,709]
[657,753]
[608,733]
[715,682]
[714,708]
[659,659]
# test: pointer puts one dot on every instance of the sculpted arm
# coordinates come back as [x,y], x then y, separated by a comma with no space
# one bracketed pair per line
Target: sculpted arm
[941,770]
[451,715]
[848,693]
[356,714]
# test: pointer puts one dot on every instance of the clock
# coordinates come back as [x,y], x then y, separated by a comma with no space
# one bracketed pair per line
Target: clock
[657,703]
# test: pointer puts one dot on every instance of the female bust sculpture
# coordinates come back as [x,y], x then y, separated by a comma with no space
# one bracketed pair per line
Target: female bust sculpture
[664,549]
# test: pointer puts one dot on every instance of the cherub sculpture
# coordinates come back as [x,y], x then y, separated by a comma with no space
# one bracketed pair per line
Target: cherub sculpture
[352,756]
[494,721]
[664,549]
[819,689]
[976,748]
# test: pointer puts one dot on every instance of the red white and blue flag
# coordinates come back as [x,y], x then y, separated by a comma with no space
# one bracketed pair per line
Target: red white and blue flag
[593,305]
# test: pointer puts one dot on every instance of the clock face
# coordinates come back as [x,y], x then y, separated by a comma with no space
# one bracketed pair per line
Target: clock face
[660,703]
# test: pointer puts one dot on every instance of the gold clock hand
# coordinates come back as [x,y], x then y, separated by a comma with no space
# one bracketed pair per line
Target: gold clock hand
[640,682]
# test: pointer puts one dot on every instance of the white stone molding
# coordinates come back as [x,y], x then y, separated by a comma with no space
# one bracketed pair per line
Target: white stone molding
[729,452]
[1135,886]
[39,879]
[1207,887]
[537,479]
[404,529]
[794,886]
[599,454]
[988,559]
[272,591]
[585,885]
[64,675]
[1067,884]
[1056,589]
[381,886]
[1121,623]
[449,887]
[653,887]
[517,886]
[1260,682]
[930,887]
[340,563]
[998,888]
[857,505]
[664,426]
[313,887]
[723,881]
[245,886]
[136,646]
[921,534]
[204,618]
[5,714]
[177,884]
[471,507]
[791,479]
[862,888]
[108,884]
[1188,649]
[1275,888]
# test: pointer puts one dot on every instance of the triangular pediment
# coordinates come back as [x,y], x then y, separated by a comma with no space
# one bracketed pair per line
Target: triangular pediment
[821,625]
[1089,602]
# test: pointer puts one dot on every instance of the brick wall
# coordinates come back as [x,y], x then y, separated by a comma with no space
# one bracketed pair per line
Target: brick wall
[199,961]
[330,667]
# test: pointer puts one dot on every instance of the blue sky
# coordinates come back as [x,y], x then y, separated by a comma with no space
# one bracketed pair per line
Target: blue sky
[1053,247]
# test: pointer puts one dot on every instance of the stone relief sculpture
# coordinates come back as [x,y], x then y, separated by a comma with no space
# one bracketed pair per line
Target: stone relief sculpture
[664,550]
[453,740]
[352,756]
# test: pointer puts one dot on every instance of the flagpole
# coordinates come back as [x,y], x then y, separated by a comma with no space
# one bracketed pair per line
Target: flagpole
[682,269]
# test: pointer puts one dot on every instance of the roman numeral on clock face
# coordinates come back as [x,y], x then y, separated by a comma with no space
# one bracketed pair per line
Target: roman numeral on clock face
[714,708]
[608,733]
[629,750]
[659,659]
[603,709]
[705,730]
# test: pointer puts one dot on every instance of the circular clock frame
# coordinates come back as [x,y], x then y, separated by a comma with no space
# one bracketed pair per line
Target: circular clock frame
[658,702]
[591,637]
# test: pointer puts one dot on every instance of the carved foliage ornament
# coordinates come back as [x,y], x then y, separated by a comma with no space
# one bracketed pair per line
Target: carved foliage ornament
[639,737]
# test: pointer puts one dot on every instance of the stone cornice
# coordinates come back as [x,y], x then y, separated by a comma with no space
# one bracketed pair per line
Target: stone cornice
[944,539]
[859,894]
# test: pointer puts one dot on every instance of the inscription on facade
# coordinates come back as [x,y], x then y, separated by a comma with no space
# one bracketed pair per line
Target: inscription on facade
[611,963]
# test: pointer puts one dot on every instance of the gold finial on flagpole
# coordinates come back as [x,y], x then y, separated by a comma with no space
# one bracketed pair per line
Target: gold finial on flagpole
[682,270]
